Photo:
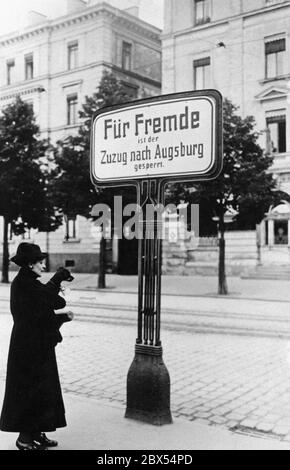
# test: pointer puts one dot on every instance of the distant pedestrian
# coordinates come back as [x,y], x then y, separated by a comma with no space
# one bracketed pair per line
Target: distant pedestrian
[33,401]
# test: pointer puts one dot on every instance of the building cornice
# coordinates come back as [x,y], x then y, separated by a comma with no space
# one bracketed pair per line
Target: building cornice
[135,75]
[72,83]
[16,37]
[194,29]
[23,92]
[129,21]
[17,88]
[225,21]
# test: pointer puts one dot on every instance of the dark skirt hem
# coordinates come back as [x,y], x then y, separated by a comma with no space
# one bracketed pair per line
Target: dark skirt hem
[42,429]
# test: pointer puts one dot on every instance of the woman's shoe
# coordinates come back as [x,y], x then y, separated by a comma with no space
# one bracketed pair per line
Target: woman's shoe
[29,445]
[43,440]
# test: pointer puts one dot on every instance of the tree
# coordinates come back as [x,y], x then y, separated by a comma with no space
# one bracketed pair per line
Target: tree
[74,193]
[245,184]
[23,191]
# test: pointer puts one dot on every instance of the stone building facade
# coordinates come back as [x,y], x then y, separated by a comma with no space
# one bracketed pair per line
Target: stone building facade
[240,47]
[53,64]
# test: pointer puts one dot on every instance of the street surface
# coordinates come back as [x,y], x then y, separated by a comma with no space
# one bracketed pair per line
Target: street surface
[226,371]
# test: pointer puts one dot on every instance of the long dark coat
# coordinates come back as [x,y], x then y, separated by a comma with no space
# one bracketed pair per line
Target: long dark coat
[33,399]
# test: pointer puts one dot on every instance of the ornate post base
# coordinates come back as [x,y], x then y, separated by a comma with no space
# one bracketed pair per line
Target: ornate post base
[148,387]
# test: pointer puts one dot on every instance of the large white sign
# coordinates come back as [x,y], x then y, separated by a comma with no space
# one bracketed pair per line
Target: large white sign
[163,138]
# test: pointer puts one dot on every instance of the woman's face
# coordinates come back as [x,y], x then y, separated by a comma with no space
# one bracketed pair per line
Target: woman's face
[38,267]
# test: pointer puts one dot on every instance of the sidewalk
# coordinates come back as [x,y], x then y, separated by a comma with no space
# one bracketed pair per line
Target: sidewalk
[93,425]
[185,286]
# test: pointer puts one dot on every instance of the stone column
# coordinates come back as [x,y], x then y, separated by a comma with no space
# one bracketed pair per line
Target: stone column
[271,236]
[289,233]
[263,232]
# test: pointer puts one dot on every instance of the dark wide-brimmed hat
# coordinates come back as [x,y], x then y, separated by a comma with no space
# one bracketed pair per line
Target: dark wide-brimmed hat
[28,253]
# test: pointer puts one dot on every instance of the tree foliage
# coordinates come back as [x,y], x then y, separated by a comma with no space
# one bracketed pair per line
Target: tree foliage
[24,196]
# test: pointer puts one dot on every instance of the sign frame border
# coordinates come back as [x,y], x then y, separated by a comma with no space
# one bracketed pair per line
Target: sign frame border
[216,168]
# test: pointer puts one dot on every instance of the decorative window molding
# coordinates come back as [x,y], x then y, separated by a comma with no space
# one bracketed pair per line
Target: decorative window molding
[272,93]
[71,84]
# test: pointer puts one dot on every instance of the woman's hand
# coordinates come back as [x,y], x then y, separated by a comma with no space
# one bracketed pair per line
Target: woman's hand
[62,274]
[70,315]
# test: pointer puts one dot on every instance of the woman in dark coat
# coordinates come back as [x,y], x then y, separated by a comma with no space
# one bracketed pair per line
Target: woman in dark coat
[33,401]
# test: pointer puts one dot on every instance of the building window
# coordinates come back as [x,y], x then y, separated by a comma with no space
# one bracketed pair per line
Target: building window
[10,71]
[201,11]
[72,112]
[73,52]
[275,52]
[127,56]
[201,69]
[28,67]
[70,228]
[131,90]
[277,131]
[30,104]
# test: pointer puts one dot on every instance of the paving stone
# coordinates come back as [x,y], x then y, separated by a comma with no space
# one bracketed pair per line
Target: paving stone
[264,426]
[281,430]
[235,416]
[218,420]
[246,409]
[203,414]
[249,423]
[260,411]
[272,418]
[231,423]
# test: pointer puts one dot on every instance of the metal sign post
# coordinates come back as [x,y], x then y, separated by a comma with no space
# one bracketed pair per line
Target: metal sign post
[148,143]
